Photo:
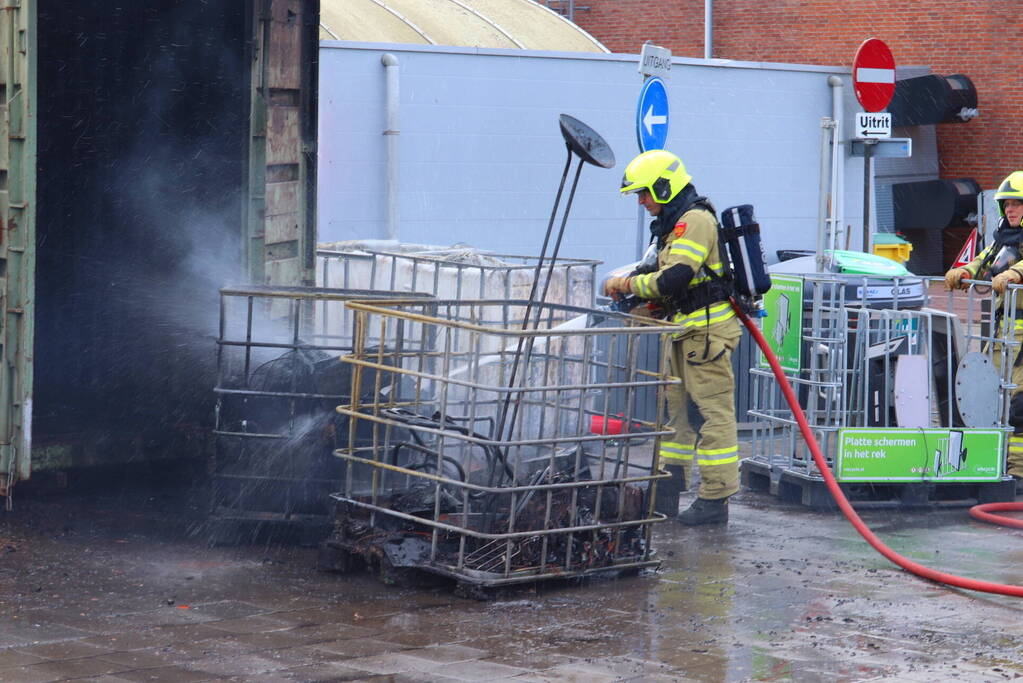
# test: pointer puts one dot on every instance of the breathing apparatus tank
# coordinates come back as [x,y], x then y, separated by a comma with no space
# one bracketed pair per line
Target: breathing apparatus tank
[739,236]
[742,254]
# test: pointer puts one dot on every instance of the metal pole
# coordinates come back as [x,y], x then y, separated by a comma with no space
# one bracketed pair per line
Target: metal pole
[503,413]
[823,191]
[868,151]
[547,239]
[391,72]
[708,29]
[536,324]
[837,159]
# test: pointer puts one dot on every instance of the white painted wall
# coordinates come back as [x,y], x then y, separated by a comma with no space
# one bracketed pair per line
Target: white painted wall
[481,152]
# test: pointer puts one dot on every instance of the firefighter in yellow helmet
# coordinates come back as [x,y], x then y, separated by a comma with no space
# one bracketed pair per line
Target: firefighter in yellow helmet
[1002,262]
[688,287]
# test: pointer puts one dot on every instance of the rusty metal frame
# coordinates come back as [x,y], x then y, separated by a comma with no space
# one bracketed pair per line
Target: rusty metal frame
[304,324]
[433,344]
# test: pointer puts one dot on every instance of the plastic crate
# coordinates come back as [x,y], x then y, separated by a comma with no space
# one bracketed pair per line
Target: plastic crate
[892,247]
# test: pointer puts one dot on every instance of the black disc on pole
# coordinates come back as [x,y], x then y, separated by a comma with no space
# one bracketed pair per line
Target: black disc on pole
[586,142]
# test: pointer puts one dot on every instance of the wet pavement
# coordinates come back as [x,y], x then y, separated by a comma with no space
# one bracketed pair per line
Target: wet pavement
[122,586]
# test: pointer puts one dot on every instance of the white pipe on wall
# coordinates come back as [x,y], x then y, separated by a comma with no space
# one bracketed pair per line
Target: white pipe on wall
[823,192]
[708,29]
[390,63]
[837,159]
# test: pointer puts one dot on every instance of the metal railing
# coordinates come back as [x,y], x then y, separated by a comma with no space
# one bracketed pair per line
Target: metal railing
[850,350]
[452,273]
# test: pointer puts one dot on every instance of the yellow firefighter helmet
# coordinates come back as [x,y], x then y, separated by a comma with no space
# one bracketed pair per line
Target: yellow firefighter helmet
[659,172]
[1011,188]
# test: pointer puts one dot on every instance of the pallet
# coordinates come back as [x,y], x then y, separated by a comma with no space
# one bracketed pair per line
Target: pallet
[793,486]
[340,557]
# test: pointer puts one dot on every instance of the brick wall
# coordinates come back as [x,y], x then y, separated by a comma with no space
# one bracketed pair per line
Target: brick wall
[971,37]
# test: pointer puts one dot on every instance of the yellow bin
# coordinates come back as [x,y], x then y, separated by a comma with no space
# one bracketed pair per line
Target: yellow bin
[892,246]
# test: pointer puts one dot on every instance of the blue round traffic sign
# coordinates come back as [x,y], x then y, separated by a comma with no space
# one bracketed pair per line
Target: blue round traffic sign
[652,115]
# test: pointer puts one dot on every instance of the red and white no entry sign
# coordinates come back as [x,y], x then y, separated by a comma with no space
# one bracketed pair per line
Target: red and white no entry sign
[874,75]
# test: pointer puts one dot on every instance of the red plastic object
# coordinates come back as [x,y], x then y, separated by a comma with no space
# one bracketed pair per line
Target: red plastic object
[611,426]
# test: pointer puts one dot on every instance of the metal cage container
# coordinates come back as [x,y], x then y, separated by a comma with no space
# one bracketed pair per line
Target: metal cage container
[493,453]
[850,348]
[279,379]
[453,272]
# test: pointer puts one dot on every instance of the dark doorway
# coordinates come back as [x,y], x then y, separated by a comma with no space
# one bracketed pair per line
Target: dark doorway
[142,129]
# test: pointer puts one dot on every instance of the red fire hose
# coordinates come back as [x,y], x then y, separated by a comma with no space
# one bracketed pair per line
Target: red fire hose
[979,512]
[983,513]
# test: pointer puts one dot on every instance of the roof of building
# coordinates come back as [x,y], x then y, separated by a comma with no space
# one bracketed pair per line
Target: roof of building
[522,24]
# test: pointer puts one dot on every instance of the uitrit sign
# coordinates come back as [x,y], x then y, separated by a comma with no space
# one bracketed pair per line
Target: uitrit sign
[873,124]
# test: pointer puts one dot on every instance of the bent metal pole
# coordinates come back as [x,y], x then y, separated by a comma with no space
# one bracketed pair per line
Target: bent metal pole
[591,148]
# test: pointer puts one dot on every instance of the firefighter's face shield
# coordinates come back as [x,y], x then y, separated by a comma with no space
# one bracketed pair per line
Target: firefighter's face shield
[632,186]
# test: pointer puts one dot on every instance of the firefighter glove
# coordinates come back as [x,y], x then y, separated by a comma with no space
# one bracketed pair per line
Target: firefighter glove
[1004,279]
[617,285]
[954,276]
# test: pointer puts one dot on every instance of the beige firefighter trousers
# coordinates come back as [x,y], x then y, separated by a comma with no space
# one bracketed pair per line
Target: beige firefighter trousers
[702,409]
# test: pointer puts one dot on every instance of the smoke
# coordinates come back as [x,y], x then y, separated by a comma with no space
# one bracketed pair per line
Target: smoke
[180,182]
[142,128]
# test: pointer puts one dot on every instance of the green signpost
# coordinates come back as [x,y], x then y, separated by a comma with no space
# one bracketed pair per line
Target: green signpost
[908,455]
[783,324]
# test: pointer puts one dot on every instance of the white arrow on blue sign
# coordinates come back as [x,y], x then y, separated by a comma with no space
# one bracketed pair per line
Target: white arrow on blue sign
[652,115]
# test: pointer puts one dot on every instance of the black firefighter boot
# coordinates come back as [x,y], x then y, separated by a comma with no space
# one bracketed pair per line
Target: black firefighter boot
[704,511]
[666,500]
